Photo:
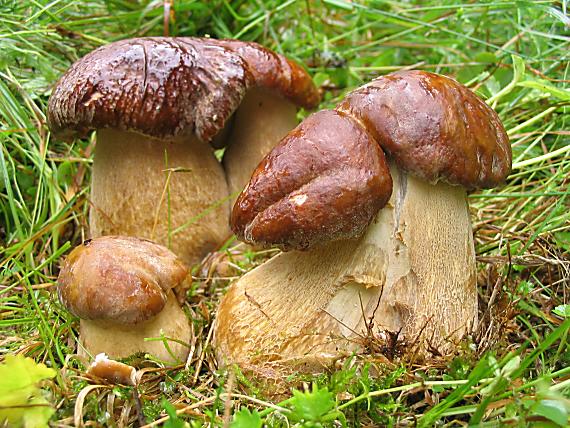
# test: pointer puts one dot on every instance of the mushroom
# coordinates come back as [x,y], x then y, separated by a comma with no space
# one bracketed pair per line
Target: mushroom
[156,103]
[122,289]
[112,371]
[267,112]
[410,270]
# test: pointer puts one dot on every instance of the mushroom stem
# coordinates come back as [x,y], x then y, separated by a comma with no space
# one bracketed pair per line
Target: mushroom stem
[304,309]
[120,341]
[130,195]
[261,121]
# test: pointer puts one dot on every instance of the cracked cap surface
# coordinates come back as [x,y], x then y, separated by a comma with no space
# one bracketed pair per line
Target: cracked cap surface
[166,87]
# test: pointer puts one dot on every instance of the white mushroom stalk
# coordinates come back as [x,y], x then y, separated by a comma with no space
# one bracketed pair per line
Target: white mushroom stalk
[146,187]
[412,272]
[166,336]
[263,119]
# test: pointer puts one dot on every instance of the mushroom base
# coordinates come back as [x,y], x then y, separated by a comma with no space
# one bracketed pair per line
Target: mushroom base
[120,341]
[261,121]
[134,194]
[413,271]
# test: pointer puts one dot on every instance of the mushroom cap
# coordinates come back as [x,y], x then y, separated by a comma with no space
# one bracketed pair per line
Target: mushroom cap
[167,87]
[326,180]
[434,128]
[120,279]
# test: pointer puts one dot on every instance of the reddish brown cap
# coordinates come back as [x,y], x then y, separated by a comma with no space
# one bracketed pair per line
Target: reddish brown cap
[118,278]
[274,71]
[165,87]
[328,178]
[325,180]
[434,128]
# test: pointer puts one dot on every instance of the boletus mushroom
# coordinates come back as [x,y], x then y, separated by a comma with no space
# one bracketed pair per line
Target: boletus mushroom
[123,290]
[408,267]
[156,104]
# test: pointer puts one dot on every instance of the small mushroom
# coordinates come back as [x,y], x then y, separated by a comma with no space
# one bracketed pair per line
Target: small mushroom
[408,267]
[122,289]
[156,104]
[112,371]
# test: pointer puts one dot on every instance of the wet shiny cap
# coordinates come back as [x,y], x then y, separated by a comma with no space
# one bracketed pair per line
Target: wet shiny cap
[434,128]
[120,279]
[167,87]
[326,180]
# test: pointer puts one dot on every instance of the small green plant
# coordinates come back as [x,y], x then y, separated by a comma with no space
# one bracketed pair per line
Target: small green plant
[313,408]
[22,402]
[562,311]
[174,421]
[246,419]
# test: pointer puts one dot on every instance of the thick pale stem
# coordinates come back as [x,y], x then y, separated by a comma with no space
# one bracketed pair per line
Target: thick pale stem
[148,188]
[120,341]
[261,121]
[303,309]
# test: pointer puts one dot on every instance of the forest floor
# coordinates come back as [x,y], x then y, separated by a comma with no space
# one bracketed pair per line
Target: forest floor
[514,368]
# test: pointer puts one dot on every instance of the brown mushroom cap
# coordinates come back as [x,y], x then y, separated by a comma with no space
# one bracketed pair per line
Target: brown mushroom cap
[434,128]
[273,71]
[166,87]
[120,279]
[328,178]
[325,181]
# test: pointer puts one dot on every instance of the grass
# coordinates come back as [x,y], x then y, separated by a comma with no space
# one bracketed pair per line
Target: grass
[514,372]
